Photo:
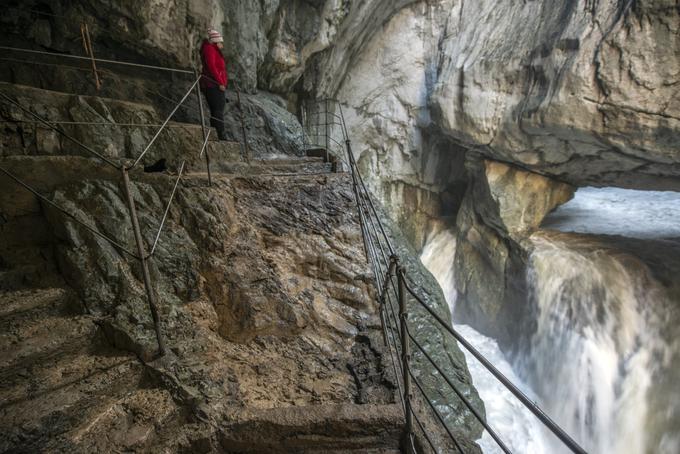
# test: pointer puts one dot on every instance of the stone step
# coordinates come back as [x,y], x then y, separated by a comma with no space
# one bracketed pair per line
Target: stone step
[39,275]
[61,385]
[69,368]
[42,340]
[310,429]
[287,166]
[177,142]
[23,306]
[54,409]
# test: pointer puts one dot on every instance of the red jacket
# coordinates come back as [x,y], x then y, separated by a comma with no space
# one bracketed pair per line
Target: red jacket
[214,66]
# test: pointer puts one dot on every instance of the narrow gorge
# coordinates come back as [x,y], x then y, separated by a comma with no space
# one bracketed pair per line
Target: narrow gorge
[523,164]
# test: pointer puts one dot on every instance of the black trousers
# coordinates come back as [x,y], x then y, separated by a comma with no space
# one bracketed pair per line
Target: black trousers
[217,103]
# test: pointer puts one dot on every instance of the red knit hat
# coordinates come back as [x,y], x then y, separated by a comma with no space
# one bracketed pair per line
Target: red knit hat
[214,36]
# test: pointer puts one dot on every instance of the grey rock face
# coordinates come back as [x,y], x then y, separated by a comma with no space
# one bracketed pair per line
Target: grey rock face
[581,91]
[576,90]
[122,129]
[264,306]
[440,346]
[501,208]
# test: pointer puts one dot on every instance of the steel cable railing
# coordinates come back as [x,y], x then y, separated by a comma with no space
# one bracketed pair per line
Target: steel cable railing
[393,299]
[104,71]
[460,395]
[98,60]
[60,131]
[124,168]
[246,153]
[167,119]
[45,199]
[318,127]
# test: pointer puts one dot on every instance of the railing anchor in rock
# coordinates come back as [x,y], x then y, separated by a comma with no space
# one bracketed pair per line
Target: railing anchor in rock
[143,259]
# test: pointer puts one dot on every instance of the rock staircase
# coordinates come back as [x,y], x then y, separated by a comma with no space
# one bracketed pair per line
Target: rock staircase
[176,143]
[63,386]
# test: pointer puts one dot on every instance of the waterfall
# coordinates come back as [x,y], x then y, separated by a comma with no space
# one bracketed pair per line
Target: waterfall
[598,348]
[603,361]
[518,428]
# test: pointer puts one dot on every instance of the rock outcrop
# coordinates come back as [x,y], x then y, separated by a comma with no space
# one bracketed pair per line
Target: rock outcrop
[557,93]
[575,90]
[582,91]
[501,208]
[266,313]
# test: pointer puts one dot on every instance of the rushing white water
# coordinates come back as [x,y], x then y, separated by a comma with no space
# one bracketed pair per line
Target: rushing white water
[598,349]
[615,211]
[598,362]
[516,426]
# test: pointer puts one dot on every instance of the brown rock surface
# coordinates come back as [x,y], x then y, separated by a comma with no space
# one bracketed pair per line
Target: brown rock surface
[265,302]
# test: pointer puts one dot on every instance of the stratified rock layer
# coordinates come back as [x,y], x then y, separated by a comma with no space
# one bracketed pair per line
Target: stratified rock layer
[578,90]
[266,302]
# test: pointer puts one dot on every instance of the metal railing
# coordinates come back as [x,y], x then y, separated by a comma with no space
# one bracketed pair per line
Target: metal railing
[246,152]
[397,297]
[124,168]
[323,128]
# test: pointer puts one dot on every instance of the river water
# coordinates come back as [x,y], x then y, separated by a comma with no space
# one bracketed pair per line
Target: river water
[520,431]
[605,343]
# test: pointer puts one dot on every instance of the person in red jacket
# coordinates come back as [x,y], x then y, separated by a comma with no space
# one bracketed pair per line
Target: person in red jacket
[215,81]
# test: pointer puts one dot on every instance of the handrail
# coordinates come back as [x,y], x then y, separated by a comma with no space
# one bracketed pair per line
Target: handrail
[355,169]
[167,119]
[167,210]
[460,395]
[99,60]
[67,213]
[172,196]
[381,255]
[60,131]
[141,255]
[435,411]
[108,72]
[103,123]
[424,432]
[531,406]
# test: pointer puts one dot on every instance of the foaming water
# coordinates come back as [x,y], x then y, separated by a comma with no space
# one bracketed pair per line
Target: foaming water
[603,361]
[516,426]
[615,211]
[598,349]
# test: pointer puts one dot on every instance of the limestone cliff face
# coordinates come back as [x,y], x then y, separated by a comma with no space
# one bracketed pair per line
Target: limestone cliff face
[583,91]
[266,300]
[578,92]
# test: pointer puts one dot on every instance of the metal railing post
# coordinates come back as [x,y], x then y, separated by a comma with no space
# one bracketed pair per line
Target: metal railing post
[328,129]
[205,133]
[383,294]
[87,45]
[151,297]
[405,355]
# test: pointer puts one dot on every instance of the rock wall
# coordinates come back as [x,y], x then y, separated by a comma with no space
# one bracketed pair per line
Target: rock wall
[264,308]
[580,90]
[583,91]
[501,208]
[410,165]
